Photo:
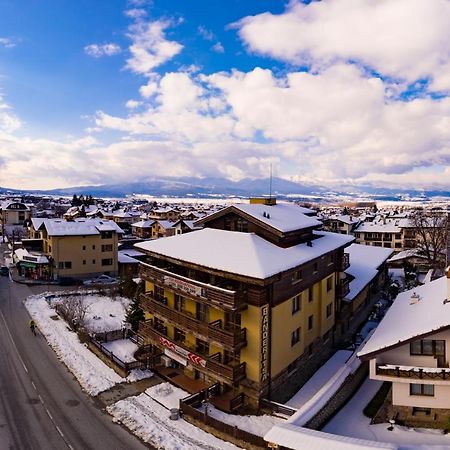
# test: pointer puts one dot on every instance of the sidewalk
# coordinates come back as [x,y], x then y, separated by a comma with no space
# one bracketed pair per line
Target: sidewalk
[14,275]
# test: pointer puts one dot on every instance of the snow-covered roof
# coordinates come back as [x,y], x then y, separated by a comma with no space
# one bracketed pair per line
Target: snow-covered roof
[364,263]
[408,317]
[6,204]
[37,222]
[294,437]
[25,256]
[411,253]
[345,218]
[166,223]
[143,224]
[78,227]
[125,259]
[242,253]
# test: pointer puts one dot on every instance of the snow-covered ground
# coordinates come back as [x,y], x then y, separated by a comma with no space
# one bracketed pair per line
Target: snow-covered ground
[351,421]
[93,374]
[124,349]
[150,421]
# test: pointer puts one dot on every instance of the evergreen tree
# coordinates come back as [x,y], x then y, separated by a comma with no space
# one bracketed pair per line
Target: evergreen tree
[135,314]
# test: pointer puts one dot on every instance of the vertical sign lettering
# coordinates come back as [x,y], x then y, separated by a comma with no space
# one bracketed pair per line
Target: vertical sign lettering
[264,343]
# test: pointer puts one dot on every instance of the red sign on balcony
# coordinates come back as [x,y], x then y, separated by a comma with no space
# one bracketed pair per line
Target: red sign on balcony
[195,359]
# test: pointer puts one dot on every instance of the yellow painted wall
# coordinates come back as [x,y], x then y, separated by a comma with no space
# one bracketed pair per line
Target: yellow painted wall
[250,354]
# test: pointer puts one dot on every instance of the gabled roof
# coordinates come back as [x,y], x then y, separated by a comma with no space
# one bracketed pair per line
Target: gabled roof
[7,204]
[242,253]
[408,319]
[282,217]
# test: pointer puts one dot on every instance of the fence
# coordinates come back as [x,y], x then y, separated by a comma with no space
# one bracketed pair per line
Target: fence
[127,366]
[189,404]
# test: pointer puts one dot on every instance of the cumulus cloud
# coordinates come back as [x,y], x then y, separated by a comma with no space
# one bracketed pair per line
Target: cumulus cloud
[135,13]
[406,39]
[218,47]
[98,51]
[150,48]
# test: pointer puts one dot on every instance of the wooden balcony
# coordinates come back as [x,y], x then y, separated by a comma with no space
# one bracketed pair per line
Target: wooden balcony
[223,298]
[234,339]
[343,287]
[415,373]
[345,262]
[210,364]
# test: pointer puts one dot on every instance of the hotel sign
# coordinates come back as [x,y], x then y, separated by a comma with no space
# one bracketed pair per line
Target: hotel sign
[264,343]
[184,286]
[192,357]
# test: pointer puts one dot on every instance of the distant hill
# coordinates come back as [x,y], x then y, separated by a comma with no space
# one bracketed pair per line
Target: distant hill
[222,187]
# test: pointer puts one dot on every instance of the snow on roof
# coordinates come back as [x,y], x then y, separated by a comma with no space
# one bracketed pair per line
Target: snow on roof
[364,263]
[79,227]
[295,437]
[282,216]
[143,224]
[125,259]
[414,252]
[242,253]
[132,252]
[166,223]
[24,255]
[407,319]
[37,222]
[6,204]
[345,218]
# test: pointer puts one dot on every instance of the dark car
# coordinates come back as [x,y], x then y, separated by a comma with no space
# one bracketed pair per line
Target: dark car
[69,281]
[4,271]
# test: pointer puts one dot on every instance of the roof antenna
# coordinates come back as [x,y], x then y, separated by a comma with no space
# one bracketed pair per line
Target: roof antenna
[270,183]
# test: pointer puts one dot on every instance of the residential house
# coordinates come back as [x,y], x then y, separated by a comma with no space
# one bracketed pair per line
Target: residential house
[410,349]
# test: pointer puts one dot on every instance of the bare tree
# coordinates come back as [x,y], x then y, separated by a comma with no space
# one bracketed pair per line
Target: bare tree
[431,236]
[73,309]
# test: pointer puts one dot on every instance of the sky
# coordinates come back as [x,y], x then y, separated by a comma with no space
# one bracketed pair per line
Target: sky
[331,92]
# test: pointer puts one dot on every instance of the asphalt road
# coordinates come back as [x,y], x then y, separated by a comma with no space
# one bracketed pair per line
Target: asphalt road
[42,406]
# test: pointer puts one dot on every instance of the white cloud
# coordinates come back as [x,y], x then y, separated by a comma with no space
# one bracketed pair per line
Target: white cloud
[132,104]
[136,13]
[205,33]
[98,51]
[7,42]
[150,48]
[218,47]
[407,39]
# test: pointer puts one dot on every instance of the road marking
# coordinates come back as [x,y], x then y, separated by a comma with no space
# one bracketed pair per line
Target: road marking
[32,382]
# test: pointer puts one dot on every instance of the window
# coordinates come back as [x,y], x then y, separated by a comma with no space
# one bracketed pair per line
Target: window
[159,294]
[84,247]
[93,261]
[49,248]
[242,225]
[202,346]
[310,295]
[329,310]
[421,389]
[297,276]
[310,322]
[180,303]
[84,262]
[295,337]
[107,248]
[106,234]
[67,264]
[329,284]
[107,262]
[296,303]
[93,247]
[179,335]
[427,347]
[60,265]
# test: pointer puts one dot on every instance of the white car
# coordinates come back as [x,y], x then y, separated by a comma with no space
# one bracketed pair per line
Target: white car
[102,279]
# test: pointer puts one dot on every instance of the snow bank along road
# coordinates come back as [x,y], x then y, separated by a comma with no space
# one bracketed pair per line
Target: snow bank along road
[41,405]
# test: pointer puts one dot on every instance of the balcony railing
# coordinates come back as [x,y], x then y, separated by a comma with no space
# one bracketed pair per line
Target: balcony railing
[420,373]
[211,364]
[234,339]
[188,287]
[345,262]
[343,287]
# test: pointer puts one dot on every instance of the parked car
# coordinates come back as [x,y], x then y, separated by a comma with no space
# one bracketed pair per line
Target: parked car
[4,271]
[102,279]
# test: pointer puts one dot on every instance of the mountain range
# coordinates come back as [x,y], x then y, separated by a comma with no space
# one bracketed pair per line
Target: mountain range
[222,187]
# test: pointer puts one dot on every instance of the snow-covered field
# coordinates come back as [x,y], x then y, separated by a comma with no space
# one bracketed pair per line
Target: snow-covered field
[93,375]
[150,421]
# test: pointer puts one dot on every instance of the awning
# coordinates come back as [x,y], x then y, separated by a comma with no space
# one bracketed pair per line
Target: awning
[175,357]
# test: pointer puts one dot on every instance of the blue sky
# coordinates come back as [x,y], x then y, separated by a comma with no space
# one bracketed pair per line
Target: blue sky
[331,92]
